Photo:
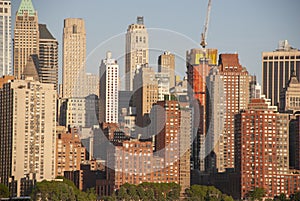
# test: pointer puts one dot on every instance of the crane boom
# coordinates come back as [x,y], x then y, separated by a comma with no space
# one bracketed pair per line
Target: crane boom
[204,33]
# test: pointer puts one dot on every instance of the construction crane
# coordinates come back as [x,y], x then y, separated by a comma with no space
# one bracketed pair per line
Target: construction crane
[204,33]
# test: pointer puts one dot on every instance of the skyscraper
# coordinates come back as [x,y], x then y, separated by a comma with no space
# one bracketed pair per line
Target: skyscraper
[48,57]
[229,85]
[198,64]
[168,116]
[214,146]
[197,93]
[26,36]
[74,58]
[109,90]
[146,93]
[277,68]
[166,64]
[137,52]
[27,131]
[5,37]
[262,151]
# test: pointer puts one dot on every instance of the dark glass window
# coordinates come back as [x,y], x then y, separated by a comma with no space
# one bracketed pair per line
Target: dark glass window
[286,72]
[276,82]
[270,81]
[298,69]
[281,74]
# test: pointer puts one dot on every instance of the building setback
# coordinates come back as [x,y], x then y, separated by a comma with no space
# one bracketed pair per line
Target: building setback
[262,151]
[5,38]
[137,50]
[26,36]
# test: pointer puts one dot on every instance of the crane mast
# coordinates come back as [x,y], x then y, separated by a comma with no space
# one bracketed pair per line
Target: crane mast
[204,33]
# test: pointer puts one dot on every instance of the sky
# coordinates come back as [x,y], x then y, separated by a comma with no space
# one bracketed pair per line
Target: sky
[248,27]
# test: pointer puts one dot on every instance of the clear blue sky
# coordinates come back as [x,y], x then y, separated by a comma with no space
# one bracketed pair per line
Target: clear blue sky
[248,27]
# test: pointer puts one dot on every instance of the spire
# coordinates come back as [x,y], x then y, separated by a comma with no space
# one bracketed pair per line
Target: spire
[26,6]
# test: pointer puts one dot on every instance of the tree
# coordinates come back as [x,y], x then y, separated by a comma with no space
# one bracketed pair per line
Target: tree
[65,190]
[122,194]
[281,197]
[257,194]
[4,192]
[205,193]
[296,196]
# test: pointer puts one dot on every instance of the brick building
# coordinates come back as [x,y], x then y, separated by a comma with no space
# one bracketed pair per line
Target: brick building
[262,151]
[70,152]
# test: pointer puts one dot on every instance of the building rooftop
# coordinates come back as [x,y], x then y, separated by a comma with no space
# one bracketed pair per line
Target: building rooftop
[26,6]
[44,32]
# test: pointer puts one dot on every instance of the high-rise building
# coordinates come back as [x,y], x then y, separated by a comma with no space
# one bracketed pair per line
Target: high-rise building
[214,145]
[92,84]
[185,135]
[262,151]
[229,95]
[5,37]
[198,63]
[27,132]
[167,129]
[290,96]
[74,58]
[146,92]
[26,36]
[70,152]
[277,68]
[137,50]
[166,64]
[48,57]
[109,90]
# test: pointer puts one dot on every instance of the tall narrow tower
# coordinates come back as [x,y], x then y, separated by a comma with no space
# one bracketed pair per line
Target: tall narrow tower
[5,37]
[48,58]
[109,90]
[26,36]
[74,57]
[229,94]
[137,52]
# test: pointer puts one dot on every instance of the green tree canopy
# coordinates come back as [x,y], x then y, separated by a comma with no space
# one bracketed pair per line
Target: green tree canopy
[149,191]
[57,190]
[257,194]
[205,193]
[4,192]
